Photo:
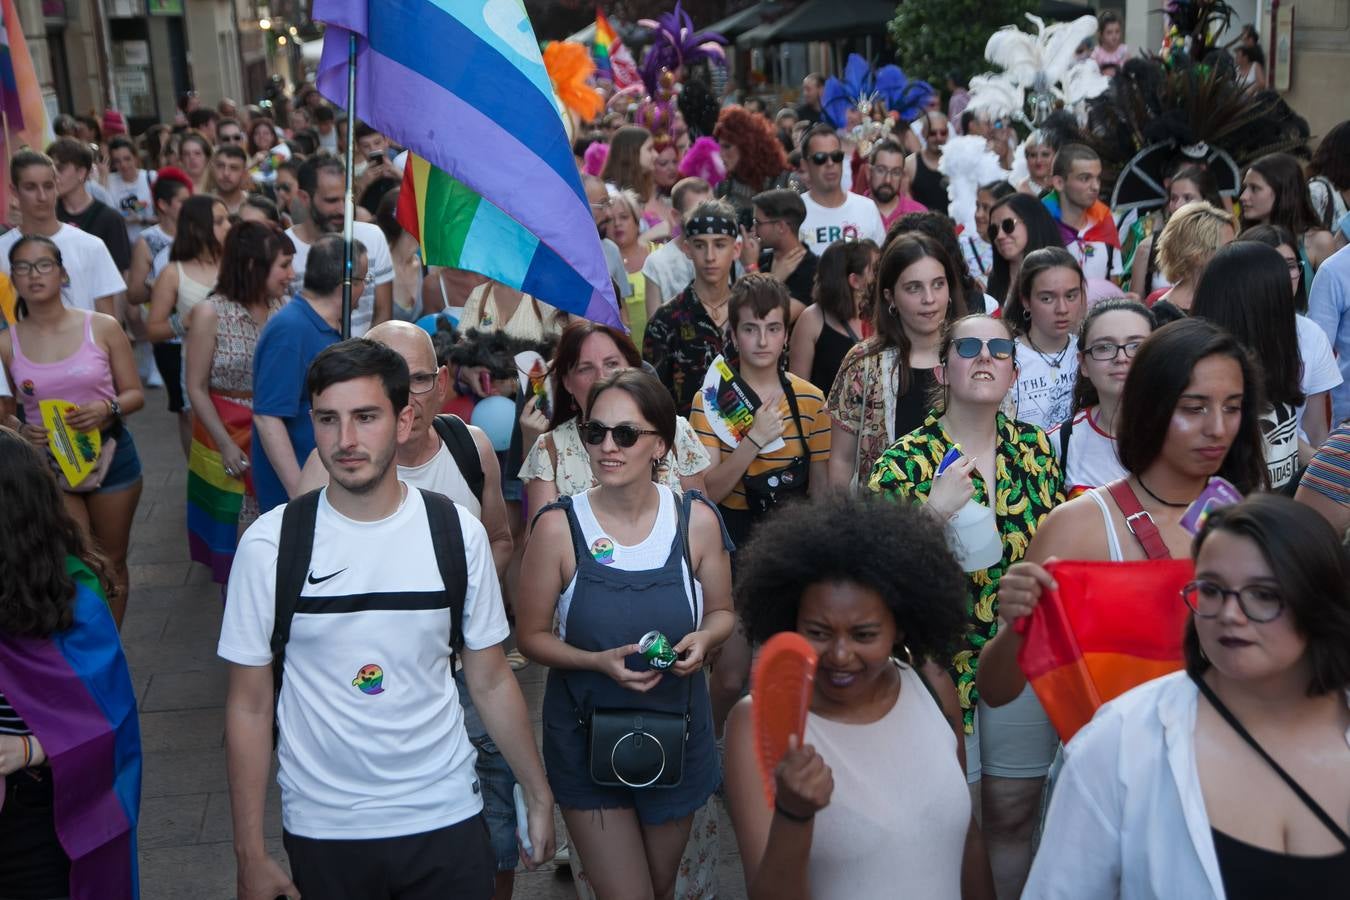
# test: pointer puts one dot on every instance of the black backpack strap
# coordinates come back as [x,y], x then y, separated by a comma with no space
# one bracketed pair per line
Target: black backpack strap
[1065,430]
[448,541]
[293,554]
[459,441]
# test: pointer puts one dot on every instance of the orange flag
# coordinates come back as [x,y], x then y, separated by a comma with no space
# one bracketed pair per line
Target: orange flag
[1110,627]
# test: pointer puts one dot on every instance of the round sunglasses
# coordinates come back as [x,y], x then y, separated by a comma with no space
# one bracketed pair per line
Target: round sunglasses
[625,436]
[970,347]
[1009,225]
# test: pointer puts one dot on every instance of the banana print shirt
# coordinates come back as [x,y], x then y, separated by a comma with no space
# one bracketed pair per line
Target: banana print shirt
[1029,485]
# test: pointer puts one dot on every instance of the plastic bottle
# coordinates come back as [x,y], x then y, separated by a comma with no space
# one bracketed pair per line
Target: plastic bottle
[972,534]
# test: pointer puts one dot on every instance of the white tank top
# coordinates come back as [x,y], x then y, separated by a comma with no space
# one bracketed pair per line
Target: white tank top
[1098,496]
[650,553]
[442,475]
[897,820]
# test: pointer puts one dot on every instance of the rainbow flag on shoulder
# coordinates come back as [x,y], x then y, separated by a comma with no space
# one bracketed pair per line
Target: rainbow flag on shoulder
[74,693]
[463,86]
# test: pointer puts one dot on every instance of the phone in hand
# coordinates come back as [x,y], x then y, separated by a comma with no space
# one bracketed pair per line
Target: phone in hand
[376,159]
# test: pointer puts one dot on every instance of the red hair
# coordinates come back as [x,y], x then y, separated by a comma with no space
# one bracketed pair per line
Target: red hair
[762,157]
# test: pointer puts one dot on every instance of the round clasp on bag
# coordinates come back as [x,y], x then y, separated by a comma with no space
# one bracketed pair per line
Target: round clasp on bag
[637,738]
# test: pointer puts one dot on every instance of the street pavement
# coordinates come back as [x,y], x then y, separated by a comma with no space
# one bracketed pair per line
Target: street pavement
[170,632]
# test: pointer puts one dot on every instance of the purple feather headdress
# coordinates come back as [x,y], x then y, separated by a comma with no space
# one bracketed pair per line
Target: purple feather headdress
[675,44]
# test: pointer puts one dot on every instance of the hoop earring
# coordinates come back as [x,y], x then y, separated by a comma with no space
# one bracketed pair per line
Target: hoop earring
[890,307]
[1026,315]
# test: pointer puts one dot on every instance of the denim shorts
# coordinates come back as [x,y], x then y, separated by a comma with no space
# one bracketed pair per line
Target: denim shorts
[496,781]
[125,470]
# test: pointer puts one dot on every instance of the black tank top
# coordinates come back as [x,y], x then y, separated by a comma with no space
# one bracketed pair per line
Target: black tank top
[1255,873]
[831,348]
[929,187]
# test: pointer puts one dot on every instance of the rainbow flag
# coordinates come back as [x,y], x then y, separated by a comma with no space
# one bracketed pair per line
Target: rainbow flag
[463,85]
[214,499]
[74,692]
[1109,627]
[612,59]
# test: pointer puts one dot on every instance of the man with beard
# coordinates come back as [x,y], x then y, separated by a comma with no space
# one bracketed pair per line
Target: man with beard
[320,186]
[229,171]
[366,592]
[926,184]
[889,184]
[283,434]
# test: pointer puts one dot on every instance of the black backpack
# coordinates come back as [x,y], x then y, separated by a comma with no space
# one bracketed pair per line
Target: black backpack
[460,443]
[297,544]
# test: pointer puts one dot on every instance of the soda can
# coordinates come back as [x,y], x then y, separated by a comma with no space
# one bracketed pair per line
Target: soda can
[656,650]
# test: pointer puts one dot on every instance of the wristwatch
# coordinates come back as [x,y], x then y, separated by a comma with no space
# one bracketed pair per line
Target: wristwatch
[115,408]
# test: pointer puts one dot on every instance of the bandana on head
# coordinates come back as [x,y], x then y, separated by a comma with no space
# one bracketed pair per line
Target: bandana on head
[716,224]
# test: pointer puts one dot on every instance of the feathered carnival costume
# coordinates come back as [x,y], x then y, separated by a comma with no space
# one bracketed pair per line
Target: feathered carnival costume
[875,100]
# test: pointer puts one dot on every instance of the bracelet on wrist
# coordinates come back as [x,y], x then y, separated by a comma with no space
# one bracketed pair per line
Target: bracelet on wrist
[757,444]
[791,816]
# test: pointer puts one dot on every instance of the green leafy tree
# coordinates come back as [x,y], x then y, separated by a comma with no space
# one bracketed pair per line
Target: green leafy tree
[933,37]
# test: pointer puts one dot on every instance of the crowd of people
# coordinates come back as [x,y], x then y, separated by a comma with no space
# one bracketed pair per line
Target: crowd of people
[818,372]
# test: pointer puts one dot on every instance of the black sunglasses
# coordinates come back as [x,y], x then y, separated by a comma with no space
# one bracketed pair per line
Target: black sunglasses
[970,347]
[819,159]
[1009,225]
[625,436]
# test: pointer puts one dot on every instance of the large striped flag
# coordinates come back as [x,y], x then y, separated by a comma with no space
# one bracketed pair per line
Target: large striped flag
[20,92]
[74,693]
[612,58]
[1109,627]
[462,84]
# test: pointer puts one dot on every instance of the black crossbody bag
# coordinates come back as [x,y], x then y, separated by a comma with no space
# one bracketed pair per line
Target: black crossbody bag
[768,489]
[640,748]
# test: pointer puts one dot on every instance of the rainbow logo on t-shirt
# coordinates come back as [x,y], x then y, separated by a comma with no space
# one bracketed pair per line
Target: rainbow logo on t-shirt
[370,679]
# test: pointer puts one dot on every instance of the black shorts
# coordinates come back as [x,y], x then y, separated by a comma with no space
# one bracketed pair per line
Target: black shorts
[169,361]
[455,861]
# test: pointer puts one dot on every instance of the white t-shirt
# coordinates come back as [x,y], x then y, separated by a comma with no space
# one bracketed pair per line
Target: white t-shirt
[372,738]
[380,270]
[4,384]
[1279,439]
[132,200]
[1320,371]
[669,269]
[1043,392]
[442,475]
[855,220]
[1100,261]
[1093,460]
[86,259]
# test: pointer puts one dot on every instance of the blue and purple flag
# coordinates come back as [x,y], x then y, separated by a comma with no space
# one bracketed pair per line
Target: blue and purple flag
[463,85]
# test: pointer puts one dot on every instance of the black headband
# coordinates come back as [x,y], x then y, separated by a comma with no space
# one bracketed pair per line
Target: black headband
[714,224]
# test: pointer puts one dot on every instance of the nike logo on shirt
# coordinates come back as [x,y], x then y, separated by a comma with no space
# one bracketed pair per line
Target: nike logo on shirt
[312,580]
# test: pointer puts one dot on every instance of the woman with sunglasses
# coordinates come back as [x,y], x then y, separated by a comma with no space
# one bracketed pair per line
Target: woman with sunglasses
[610,564]
[1227,779]
[1046,309]
[1018,224]
[1085,442]
[1190,412]
[1008,467]
[55,352]
[558,464]
[882,390]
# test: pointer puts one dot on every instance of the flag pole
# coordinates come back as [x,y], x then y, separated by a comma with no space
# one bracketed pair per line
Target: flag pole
[349,204]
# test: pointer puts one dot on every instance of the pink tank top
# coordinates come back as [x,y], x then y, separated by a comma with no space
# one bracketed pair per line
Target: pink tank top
[81,378]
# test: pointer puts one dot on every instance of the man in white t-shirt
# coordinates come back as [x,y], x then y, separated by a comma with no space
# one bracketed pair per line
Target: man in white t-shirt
[372,745]
[95,281]
[833,214]
[321,186]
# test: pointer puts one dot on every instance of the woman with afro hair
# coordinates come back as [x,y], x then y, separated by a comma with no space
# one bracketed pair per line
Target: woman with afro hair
[752,154]
[879,767]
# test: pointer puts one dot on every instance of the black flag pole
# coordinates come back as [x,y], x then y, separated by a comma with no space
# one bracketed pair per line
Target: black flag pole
[349,203]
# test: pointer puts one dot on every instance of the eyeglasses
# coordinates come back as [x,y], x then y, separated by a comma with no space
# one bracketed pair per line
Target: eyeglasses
[421,382]
[625,436]
[884,172]
[760,223]
[1009,225]
[42,267]
[1258,603]
[231,138]
[819,159]
[1106,350]
[970,347]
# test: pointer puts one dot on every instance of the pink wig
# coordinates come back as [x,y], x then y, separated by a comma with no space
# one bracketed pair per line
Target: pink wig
[704,160]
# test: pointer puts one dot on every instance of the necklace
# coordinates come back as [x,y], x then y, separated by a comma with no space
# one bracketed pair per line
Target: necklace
[1057,361]
[1159,499]
[712,308]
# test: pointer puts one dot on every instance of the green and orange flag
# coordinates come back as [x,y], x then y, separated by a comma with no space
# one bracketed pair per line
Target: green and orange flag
[1110,627]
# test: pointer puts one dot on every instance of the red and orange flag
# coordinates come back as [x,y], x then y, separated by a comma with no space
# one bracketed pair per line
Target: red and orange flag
[1110,627]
